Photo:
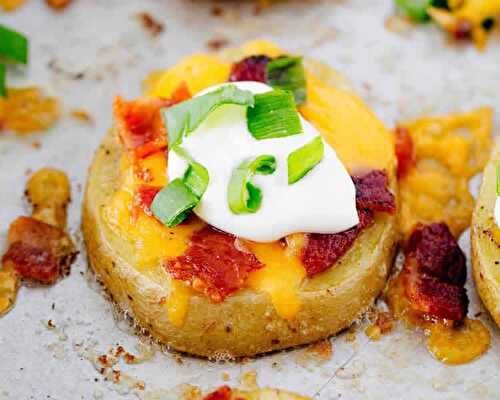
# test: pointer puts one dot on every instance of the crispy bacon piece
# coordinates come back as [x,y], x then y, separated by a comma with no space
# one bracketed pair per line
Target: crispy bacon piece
[324,250]
[372,195]
[372,192]
[404,149]
[222,393]
[140,125]
[37,250]
[250,69]
[144,197]
[213,265]
[434,273]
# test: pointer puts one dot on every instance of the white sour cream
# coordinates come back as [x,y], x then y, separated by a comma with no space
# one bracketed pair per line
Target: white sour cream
[323,201]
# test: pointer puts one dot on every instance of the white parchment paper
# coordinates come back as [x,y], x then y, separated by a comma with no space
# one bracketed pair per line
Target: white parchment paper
[96,49]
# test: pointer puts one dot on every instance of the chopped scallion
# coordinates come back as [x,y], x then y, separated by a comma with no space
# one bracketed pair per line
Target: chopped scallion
[243,196]
[415,9]
[3,89]
[13,46]
[304,159]
[173,203]
[273,115]
[188,115]
[196,177]
[287,73]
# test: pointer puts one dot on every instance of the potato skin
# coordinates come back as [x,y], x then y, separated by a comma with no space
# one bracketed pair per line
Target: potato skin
[245,323]
[485,251]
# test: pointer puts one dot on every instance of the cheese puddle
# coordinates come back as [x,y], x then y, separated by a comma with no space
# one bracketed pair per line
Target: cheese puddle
[324,201]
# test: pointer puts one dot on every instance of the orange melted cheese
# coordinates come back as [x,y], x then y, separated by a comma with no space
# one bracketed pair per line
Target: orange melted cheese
[349,126]
[449,151]
[448,344]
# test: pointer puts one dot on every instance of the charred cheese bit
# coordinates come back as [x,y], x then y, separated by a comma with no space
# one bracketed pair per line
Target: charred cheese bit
[9,285]
[11,5]
[346,123]
[198,72]
[178,302]
[460,345]
[449,150]
[281,277]
[27,110]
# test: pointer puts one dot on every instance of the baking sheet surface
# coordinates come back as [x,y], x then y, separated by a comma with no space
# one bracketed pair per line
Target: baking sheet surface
[400,75]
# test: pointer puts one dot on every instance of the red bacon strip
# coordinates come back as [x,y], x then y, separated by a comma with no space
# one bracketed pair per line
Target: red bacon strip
[405,152]
[434,273]
[372,195]
[37,250]
[252,68]
[140,125]
[222,393]
[213,265]
[144,196]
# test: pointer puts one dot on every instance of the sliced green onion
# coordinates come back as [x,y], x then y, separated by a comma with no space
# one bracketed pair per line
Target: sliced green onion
[13,46]
[188,115]
[273,115]
[173,203]
[415,9]
[243,196]
[498,177]
[196,177]
[287,73]
[3,88]
[304,159]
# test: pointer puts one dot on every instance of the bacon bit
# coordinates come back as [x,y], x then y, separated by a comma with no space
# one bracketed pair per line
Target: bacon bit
[463,30]
[150,24]
[82,115]
[140,125]
[27,110]
[324,250]
[144,197]
[37,250]
[213,265]
[58,4]
[372,192]
[250,69]
[405,152]
[216,44]
[434,273]
[222,393]
[217,11]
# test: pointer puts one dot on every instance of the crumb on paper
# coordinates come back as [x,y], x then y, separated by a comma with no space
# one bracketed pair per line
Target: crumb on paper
[216,44]
[58,5]
[248,380]
[150,24]
[225,376]
[383,324]
[397,24]
[82,115]
[322,350]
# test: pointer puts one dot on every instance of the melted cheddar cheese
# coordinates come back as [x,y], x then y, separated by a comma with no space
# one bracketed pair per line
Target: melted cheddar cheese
[348,125]
[449,150]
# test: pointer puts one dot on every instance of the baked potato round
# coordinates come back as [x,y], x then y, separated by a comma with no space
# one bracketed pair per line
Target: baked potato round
[485,240]
[246,323]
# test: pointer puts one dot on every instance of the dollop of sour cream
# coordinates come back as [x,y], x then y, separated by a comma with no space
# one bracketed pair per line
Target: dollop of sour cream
[323,201]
